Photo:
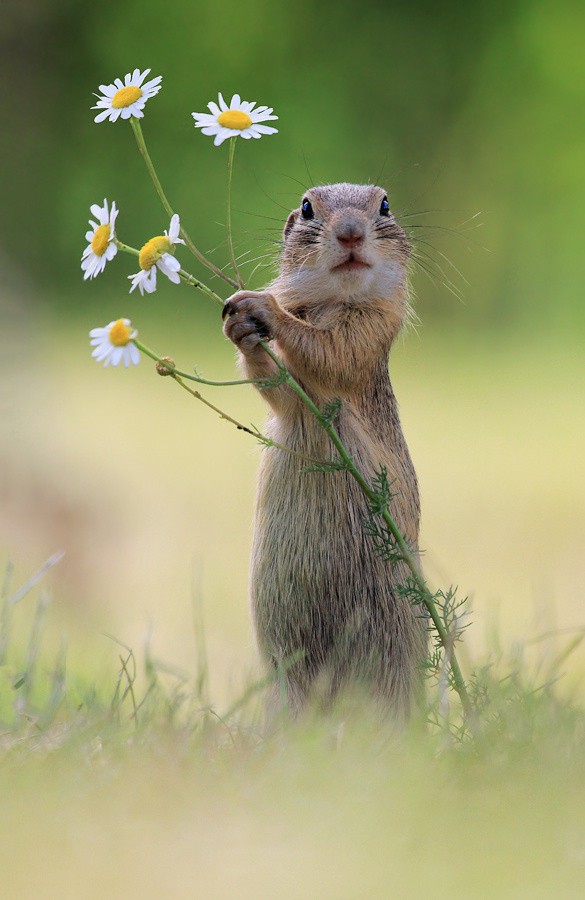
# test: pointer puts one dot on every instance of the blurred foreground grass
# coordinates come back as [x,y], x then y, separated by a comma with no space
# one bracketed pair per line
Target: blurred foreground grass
[150,497]
[142,790]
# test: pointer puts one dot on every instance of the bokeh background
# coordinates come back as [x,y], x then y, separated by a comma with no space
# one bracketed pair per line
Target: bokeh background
[471,115]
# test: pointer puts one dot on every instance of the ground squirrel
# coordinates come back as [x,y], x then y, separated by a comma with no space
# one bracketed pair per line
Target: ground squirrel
[318,589]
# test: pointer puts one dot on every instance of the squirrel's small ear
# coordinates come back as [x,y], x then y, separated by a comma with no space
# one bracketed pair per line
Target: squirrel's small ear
[289,223]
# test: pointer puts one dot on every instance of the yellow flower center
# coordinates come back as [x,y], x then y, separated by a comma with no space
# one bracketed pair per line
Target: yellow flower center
[100,240]
[153,250]
[126,96]
[120,333]
[234,118]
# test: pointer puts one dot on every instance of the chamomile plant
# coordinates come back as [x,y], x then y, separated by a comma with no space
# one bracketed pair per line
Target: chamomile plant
[118,342]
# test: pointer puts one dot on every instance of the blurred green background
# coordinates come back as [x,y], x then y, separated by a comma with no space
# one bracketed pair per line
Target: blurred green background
[471,115]
[457,108]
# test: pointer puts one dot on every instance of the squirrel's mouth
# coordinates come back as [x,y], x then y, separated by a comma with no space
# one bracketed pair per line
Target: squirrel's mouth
[352,264]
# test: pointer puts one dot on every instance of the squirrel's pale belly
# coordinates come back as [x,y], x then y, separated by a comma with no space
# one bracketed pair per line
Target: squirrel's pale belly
[317,585]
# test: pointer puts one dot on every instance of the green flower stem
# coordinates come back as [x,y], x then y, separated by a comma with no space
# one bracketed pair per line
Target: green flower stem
[402,545]
[198,378]
[169,210]
[178,376]
[126,247]
[194,282]
[228,224]
[216,409]
[179,379]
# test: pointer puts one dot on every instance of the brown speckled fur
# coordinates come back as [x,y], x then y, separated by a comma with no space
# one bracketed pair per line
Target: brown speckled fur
[316,585]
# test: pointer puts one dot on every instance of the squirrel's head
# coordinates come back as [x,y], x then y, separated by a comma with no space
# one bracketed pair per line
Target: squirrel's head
[343,241]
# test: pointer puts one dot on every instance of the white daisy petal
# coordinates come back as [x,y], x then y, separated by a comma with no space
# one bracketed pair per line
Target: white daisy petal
[170,266]
[223,105]
[204,119]
[93,269]
[100,353]
[153,86]
[265,129]
[139,281]
[116,355]
[175,230]
[150,281]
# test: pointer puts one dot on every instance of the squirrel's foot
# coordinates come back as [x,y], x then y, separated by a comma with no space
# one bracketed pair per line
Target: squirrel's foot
[250,316]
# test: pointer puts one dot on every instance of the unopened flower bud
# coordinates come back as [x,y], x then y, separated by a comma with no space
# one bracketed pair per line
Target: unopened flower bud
[164,365]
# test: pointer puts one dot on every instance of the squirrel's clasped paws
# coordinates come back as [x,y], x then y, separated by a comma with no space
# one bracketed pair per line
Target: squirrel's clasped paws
[250,317]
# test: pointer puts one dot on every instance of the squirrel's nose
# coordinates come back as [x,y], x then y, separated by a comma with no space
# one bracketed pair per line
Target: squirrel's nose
[350,233]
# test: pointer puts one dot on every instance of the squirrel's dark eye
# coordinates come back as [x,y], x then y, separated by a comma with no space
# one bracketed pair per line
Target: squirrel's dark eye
[307,209]
[384,207]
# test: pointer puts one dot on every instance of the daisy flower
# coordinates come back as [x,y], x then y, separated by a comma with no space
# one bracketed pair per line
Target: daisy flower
[239,118]
[101,247]
[126,98]
[114,343]
[157,253]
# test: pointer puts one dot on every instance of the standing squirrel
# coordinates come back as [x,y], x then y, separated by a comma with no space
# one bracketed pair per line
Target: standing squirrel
[320,594]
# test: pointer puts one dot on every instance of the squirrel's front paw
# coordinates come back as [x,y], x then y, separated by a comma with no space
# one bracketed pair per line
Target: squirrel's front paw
[250,317]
